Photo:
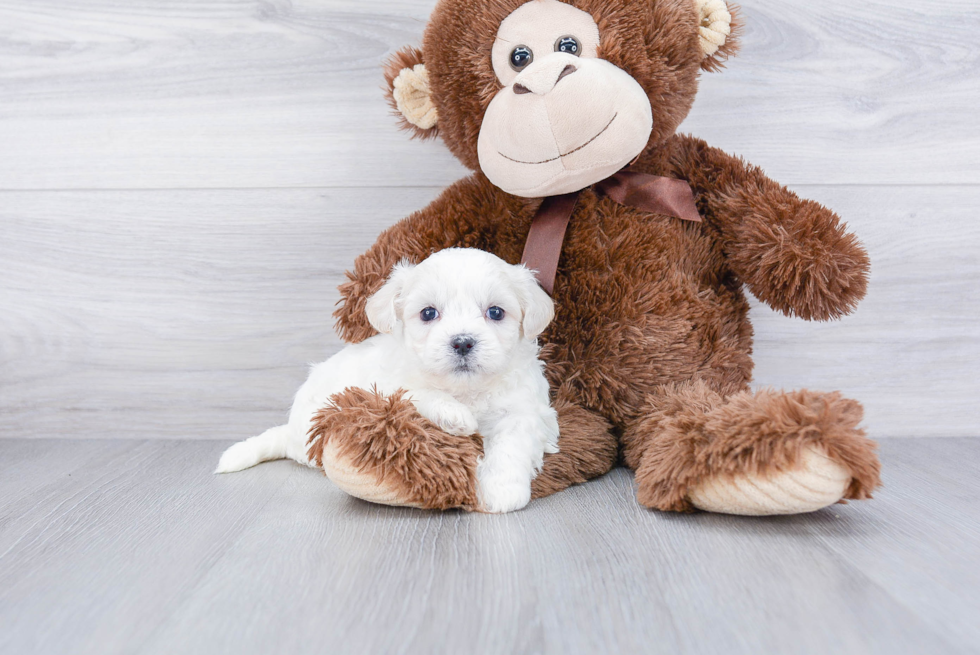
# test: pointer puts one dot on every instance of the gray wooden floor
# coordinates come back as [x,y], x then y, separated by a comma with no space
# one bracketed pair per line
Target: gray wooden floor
[182,185]
[113,546]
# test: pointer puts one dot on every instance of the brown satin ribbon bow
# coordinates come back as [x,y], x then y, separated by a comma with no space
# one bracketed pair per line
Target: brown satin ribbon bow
[650,193]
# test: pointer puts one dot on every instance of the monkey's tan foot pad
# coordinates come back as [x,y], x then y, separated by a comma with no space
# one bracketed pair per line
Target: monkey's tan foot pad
[816,482]
[378,448]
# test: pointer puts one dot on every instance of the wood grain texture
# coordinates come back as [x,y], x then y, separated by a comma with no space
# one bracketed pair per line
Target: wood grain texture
[193,314]
[180,314]
[230,158]
[911,350]
[240,93]
[134,547]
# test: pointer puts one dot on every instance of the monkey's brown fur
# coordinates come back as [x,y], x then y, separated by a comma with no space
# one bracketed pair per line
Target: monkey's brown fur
[386,438]
[650,351]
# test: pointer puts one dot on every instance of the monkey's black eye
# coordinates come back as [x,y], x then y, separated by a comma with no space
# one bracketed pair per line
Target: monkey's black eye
[429,314]
[568,45]
[520,57]
[495,313]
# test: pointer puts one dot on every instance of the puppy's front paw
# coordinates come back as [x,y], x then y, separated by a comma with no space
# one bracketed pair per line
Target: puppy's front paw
[455,419]
[445,411]
[499,496]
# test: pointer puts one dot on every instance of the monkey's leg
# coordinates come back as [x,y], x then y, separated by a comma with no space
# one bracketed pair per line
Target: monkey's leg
[768,452]
[380,449]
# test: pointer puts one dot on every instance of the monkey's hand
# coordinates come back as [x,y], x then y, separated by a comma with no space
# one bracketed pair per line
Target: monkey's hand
[794,254]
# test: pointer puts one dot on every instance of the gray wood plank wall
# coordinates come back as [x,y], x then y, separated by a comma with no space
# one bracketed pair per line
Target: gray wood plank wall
[182,185]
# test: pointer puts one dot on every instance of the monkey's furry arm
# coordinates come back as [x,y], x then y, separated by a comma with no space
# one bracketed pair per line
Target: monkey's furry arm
[794,254]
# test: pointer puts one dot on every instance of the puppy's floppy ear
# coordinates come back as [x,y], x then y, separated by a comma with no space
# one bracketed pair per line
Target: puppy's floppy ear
[536,306]
[409,94]
[381,308]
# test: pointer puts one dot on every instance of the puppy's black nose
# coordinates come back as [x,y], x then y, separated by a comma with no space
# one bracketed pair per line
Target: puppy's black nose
[463,344]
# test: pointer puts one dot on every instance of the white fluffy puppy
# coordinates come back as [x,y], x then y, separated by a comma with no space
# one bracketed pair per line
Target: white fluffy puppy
[458,333]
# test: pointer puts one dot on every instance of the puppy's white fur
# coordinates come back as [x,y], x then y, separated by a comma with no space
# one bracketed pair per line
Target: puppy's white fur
[497,389]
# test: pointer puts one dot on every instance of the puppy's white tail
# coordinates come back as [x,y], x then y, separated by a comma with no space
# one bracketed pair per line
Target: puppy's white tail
[271,444]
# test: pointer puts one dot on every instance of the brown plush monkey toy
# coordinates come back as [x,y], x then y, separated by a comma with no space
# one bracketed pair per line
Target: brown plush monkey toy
[566,111]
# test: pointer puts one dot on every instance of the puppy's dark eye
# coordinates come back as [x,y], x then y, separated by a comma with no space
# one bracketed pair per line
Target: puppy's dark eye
[568,45]
[429,314]
[495,313]
[520,57]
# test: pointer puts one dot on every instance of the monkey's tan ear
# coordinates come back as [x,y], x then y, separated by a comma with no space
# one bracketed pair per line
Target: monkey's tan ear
[718,32]
[408,92]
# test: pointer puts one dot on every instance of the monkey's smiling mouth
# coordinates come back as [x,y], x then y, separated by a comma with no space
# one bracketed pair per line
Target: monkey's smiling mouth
[574,150]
